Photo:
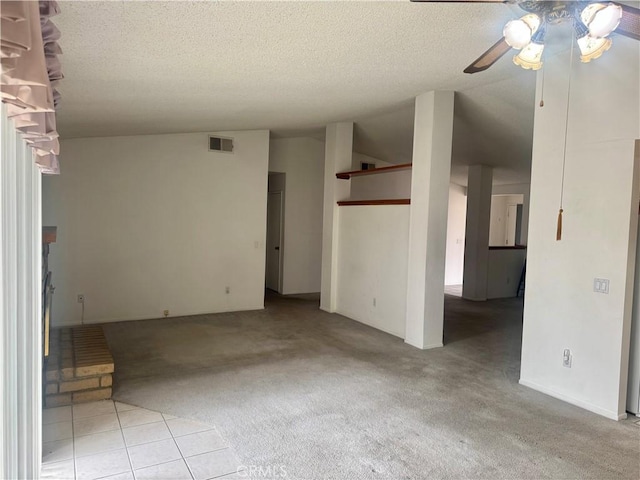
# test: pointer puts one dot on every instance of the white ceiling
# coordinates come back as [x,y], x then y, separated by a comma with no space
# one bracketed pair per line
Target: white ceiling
[292,67]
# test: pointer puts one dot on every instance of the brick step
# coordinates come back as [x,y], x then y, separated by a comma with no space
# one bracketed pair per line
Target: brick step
[79,367]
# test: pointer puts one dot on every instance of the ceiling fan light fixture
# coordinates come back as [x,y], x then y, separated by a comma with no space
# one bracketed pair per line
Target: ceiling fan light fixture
[602,19]
[592,48]
[518,33]
[530,57]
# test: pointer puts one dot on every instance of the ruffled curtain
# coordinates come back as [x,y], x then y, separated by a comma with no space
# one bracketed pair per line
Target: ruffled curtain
[30,73]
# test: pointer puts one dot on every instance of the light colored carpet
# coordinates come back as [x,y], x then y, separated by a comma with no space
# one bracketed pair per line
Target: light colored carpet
[326,397]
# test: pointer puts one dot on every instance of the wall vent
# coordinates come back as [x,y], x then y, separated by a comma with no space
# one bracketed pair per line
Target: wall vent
[220,144]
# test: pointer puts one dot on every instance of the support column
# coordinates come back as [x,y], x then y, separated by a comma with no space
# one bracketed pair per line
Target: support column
[430,178]
[476,249]
[337,158]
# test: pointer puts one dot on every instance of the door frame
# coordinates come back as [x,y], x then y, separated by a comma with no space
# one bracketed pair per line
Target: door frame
[281,239]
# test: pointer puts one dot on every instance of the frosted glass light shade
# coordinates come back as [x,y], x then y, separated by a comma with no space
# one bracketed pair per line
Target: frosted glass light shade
[592,48]
[530,56]
[518,33]
[602,19]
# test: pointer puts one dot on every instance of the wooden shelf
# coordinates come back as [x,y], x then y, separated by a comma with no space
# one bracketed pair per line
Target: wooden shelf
[392,201]
[356,173]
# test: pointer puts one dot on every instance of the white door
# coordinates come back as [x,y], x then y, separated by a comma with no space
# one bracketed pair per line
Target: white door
[274,241]
[512,215]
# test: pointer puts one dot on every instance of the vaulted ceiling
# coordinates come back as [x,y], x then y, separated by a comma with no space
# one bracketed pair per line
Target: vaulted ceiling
[159,67]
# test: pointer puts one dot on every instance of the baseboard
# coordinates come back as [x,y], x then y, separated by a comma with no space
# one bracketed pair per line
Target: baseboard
[574,401]
[426,347]
[177,315]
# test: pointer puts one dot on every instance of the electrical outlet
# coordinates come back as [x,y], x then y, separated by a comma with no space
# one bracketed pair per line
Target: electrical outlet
[166,313]
[566,358]
[227,290]
[80,298]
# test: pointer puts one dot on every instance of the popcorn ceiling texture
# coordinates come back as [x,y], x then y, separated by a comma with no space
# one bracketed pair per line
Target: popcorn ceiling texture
[292,67]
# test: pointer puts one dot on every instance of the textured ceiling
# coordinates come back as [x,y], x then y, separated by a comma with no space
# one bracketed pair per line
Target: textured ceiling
[292,67]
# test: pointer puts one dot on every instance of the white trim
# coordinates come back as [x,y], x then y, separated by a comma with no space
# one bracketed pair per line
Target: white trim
[147,317]
[425,347]
[574,401]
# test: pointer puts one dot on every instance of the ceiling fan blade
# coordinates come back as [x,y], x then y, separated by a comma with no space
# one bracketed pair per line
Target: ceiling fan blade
[489,57]
[630,22]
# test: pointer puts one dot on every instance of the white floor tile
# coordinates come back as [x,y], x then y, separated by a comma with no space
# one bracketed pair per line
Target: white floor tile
[123,407]
[120,476]
[139,416]
[149,432]
[88,443]
[243,474]
[182,426]
[56,431]
[55,415]
[102,465]
[168,417]
[93,409]
[57,451]
[176,470]
[154,453]
[58,471]
[201,442]
[213,464]
[99,443]
[97,424]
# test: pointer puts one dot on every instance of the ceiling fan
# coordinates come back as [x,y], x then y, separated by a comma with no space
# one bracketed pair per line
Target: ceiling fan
[592,22]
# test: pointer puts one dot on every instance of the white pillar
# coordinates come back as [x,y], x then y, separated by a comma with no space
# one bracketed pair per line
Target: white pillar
[337,158]
[476,249]
[430,178]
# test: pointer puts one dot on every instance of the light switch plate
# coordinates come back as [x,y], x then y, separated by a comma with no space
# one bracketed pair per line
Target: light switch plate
[601,285]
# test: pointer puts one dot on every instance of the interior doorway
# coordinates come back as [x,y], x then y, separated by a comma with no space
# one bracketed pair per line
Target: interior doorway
[456,225]
[275,232]
[506,220]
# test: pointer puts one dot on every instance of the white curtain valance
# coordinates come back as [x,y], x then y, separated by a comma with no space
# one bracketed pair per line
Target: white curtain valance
[30,72]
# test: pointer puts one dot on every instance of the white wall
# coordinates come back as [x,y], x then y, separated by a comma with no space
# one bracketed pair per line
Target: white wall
[372,265]
[148,223]
[358,158]
[456,224]
[302,159]
[498,220]
[599,230]
[504,272]
[381,186]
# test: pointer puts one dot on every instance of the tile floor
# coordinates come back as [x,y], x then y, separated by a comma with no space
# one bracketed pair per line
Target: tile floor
[115,441]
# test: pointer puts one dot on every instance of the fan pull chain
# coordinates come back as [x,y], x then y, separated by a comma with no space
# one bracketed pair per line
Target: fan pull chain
[542,90]
[564,156]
